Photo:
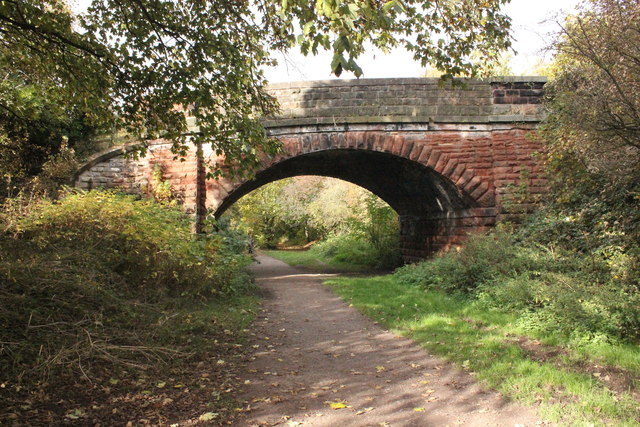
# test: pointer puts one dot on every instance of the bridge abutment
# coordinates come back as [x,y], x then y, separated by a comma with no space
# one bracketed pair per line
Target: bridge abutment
[422,236]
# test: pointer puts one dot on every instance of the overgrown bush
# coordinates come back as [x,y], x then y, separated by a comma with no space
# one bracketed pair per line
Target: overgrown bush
[462,271]
[555,290]
[346,248]
[86,280]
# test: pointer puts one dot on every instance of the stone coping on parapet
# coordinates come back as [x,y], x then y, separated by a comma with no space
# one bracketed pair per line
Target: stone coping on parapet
[304,128]
[472,119]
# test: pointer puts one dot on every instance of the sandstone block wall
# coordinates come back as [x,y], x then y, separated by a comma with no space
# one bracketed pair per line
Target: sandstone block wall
[419,100]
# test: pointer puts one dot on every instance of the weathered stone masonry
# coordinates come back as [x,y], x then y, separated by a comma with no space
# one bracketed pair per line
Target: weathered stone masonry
[443,158]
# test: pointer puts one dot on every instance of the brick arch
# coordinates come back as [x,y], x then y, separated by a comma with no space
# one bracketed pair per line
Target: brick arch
[473,189]
[457,161]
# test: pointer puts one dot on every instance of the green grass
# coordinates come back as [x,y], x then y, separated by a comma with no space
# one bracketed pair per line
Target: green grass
[315,261]
[482,341]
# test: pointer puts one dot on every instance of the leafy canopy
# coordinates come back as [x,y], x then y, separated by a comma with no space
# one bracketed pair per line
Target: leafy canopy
[137,65]
[594,108]
[593,127]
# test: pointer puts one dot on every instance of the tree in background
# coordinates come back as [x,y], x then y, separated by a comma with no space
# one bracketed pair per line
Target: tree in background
[595,108]
[296,211]
[37,136]
[341,220]
[136,65]
[269,217]
[593,121]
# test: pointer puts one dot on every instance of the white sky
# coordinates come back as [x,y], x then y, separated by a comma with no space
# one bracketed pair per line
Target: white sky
[532,24]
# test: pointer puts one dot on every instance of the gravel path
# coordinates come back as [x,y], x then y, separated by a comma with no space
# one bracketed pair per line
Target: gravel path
[312,351]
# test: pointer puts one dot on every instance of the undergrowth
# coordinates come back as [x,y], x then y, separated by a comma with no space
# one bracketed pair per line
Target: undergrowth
[370,243]
[556,291]
[98,282]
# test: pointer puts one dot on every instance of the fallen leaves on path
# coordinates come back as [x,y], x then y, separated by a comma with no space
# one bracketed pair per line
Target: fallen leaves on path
[337,405]
[364,411]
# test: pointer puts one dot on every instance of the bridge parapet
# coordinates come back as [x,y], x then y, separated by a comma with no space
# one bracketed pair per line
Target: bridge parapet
[407,100]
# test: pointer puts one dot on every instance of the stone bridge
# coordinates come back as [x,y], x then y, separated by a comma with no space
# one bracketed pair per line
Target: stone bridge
[446,159]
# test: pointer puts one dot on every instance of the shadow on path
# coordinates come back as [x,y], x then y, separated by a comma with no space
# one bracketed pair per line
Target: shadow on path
[311,349]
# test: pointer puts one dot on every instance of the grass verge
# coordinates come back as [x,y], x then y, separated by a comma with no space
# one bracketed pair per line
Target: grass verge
[570,387]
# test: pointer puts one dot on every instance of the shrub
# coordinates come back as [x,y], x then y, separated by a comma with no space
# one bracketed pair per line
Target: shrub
[346,248]
[582,296]
[481,260]
[86,279]
[370,238]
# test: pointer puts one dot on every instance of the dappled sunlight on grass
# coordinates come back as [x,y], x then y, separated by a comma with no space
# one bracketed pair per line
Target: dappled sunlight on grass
[485,343]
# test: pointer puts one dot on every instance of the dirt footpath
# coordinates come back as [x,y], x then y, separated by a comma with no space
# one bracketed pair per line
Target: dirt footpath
[318,362]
